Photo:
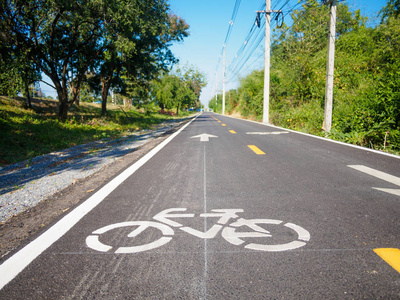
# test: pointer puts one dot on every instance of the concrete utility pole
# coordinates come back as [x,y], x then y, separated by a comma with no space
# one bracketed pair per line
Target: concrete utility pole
[223,84]
[267,58]
[327,125]
[216,90]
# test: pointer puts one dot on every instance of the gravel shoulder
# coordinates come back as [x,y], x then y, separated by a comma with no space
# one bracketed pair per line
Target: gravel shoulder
[36,193]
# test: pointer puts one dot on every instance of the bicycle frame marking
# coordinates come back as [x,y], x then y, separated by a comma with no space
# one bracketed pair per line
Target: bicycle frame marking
[228,232]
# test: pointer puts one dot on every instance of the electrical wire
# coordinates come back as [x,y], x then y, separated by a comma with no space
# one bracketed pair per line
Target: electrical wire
[240,61]
[230,27]
[254,38]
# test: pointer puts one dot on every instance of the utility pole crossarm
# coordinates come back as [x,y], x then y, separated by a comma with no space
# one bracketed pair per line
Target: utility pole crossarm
[268,12]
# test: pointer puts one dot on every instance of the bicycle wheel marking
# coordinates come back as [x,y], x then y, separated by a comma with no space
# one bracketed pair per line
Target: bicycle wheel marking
[228,232]
[304,235]
[276,248]
[92,241]
[234,237]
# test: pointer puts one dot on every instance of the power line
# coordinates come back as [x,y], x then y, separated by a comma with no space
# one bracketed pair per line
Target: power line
[255,37]
[230,27]
[241,59]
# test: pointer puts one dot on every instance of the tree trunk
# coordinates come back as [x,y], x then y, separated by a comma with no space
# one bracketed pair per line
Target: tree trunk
[28,96]
[104,93]
[63,106]
[177,109]
[75,93]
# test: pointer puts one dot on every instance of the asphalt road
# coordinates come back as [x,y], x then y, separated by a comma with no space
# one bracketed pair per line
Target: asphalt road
[255,212]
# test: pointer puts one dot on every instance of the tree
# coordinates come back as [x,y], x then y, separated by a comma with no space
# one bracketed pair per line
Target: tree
[391,10]
[61,37]
[298,49]
[66,38]
[138,49]
[17,72]
[180,89]
[165,90]
[195,81]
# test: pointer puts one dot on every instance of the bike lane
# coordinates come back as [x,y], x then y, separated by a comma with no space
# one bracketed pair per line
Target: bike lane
[70,269]
[205,177]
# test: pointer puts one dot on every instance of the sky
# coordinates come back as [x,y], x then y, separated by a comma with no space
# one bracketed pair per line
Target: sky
[209,23]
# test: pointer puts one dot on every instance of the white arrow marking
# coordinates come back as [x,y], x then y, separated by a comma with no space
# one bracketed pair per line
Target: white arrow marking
[381,175]
[390,191]
[266,133]
[204,137]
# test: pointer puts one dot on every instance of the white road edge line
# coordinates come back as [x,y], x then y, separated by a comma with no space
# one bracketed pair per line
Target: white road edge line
[10,268]
[317,137]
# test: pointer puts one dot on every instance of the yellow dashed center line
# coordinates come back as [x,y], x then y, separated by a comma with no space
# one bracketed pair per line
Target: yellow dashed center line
[232,131]
[391,256]
[223,124]
[256,149]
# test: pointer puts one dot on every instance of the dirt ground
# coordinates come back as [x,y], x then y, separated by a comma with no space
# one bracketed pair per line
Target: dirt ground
[25,227]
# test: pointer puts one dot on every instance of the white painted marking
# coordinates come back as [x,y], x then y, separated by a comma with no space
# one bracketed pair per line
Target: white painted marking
[381,175]
[233,237]
[268,133]
[209,234]
[225,214]
[165,216]
[92,241]
[229,233]
[134,249]
[205,272]
[252,223]
[390,191]
[276,248]
[378,174]
[204,137]
[304,235]
[20,260]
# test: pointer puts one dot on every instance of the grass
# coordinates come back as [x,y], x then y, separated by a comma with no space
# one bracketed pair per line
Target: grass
[27,133]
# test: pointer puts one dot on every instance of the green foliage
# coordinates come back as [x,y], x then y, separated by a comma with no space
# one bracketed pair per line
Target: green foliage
[180,90]
[391,10]
[26,133]
[216,104]
[250,94]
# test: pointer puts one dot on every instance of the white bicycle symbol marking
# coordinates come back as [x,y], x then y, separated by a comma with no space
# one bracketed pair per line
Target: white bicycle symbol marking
[229,233]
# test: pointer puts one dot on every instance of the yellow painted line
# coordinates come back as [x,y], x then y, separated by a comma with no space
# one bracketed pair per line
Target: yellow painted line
[232,131]
[223,124]
[219,121]
[255,149]
[391,256]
